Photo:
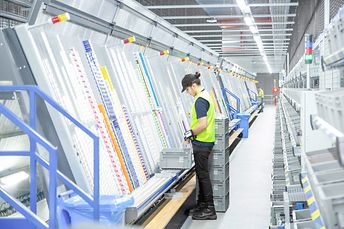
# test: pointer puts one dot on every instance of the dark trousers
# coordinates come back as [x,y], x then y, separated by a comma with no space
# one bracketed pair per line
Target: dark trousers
[201,157]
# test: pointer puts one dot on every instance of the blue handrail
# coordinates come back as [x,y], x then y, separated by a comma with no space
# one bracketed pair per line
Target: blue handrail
[234,111]
[34,136]
[54,174]
[255,99]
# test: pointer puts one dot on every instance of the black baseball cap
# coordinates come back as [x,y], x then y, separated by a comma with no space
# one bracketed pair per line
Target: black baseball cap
[189,79]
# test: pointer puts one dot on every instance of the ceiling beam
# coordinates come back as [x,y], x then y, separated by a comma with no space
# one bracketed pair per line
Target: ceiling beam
[251,54]
[234,30]
[250,46]
[241,35]
[238,39]
[22,3]
[272,54]
[213,45]
[247,46]
[234,24]
[250,49]
[220,41]
[12,16]
[261,61]
[215,42]
[226,16]
[279,55]
[247,51]
[220,5]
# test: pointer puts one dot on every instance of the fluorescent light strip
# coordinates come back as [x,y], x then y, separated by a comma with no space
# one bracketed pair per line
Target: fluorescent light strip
[252,52]
[244,50]
[225,16]
[240,35]
[253,29]
[234,30]
[250,45]
[249,20]
[245,10]
[233,24]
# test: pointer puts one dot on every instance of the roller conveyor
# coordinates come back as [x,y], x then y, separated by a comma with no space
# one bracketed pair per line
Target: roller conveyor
[153,190]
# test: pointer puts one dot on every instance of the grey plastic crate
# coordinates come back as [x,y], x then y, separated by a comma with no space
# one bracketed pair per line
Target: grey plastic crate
[219,173]
[222,126]
[276,197]
[174,158]
[222,142]
[331,107]
[219,157]
[221,189]
[305,225]
[221,203]
[301,215]
[331,203]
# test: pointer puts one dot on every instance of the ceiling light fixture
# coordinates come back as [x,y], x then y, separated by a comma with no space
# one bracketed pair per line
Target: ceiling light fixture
[249,20]
[253,29]
[211,20]
[229,42]
[243,6]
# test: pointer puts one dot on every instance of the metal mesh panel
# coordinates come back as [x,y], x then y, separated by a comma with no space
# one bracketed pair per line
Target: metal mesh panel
[177,12]
[319,20]
[13,8]
[334,7]
[309,19]
[13,13]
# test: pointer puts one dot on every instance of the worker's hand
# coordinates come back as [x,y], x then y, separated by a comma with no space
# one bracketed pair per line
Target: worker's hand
[188,135]
[186,142]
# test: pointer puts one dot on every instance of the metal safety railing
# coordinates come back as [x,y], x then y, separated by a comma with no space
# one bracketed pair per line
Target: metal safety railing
[51,165]
[253,100]
[233,110]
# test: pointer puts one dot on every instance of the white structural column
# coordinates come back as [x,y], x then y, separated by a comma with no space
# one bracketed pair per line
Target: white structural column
[326,13]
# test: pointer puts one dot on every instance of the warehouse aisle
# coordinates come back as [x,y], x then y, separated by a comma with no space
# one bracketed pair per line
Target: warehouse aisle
[250,184]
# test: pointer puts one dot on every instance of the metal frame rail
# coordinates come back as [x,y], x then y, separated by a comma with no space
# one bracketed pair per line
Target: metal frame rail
[51,165]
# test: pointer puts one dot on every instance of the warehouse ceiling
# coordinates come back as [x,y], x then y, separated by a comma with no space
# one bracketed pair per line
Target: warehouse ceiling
[220,25]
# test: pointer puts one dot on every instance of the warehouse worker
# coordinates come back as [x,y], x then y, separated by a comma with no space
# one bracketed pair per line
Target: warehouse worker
[202,136]
[261,97]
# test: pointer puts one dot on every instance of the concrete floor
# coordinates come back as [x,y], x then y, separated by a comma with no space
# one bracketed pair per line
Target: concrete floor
[250,180]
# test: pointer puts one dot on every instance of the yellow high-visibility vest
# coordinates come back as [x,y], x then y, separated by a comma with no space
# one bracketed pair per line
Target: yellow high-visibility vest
[208,135]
